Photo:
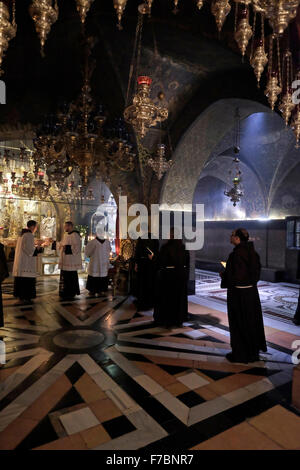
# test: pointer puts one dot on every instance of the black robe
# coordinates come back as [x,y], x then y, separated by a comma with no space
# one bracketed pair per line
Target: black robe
[146,271]
[171,303]
[247,336]
[3,274]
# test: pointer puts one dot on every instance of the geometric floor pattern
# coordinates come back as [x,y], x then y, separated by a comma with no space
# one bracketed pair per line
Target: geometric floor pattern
[118,383]
[279,300]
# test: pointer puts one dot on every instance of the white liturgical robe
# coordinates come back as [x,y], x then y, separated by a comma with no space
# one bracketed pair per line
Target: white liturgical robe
[25,264]
[73,261]
[99,257]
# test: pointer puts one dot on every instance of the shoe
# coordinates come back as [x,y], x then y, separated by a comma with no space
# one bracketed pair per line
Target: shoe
[254,359]
[296,321]
[230,357]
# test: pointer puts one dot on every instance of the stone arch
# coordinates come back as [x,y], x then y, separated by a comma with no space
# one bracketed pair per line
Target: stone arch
[198,143]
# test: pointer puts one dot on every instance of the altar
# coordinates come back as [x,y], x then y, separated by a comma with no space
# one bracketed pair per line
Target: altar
[14,215]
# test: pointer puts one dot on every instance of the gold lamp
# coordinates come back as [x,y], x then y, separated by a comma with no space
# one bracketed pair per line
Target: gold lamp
[143,113]
[83,7]
[44,14]
[7,30]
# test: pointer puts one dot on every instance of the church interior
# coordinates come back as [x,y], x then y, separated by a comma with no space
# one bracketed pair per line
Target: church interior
[174,105]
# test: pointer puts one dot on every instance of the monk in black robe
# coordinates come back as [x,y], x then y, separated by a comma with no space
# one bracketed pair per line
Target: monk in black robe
[296,318]
[247,336]
[171,303]
[3,274]
[145,266]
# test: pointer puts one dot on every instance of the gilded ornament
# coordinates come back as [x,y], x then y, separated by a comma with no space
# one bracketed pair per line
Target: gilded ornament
[273,90]
[7,30]
[83,7]
[286,106]
[296,127]
[44,14]
[120,6]
[143,113]
[220,9]
[259,60]
[243,33]
[279,12]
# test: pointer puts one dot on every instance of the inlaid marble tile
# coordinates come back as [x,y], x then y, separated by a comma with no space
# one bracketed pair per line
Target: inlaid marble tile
[79,420]
[192,380]
[280,425]
[105,409]
[240,437]
[174,405]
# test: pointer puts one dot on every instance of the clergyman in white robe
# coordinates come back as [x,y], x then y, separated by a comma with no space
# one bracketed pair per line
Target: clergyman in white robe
[98,250]
[69,263]
[25,266]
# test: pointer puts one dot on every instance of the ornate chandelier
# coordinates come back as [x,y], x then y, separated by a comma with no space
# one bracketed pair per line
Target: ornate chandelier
[74,139]
[143,113]
[69,140]
[21,177]
[235,193]
[160,165]
[279,12]
[119,149]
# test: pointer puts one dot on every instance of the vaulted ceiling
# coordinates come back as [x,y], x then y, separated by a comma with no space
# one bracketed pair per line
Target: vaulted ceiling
[191,66]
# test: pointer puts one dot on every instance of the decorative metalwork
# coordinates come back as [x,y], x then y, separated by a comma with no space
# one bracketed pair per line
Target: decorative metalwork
[259,61]
[144,113]
[220,9]
[243,32]
[120,6]
[7,30]
[286,104]
[272,90]
[176,9]
[44,13]
[83,7]
[70,139]
[279,12]
[296,126]
[160,165]
[235,193]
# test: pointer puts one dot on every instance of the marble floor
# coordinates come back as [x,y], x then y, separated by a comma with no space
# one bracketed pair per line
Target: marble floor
[94,373]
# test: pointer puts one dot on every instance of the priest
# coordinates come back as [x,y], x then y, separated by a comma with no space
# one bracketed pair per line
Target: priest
[98,250]
[171,302]
[242,272]
[145,266]
[69,262]
[3,275]
[25,264]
